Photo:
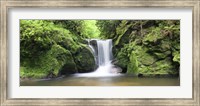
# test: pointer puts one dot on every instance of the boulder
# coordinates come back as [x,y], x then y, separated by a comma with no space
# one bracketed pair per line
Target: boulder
[84,60]
[69,66]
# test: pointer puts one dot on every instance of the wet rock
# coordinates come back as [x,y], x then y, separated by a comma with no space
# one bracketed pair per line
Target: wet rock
[93,43]
[84,60]
[116,69]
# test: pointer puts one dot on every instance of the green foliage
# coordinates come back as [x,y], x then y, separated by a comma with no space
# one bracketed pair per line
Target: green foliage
[82,28]
[34,36]
[90,29]
[74,26]
[107,28]
[37,37]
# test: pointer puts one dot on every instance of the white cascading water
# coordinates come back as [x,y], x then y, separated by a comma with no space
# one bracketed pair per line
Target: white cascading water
[104,60]
[104,52]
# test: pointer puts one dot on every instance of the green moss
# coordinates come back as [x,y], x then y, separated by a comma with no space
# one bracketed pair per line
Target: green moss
[120,31]
[47,47]
[155,44]
[123,56]
[50,63]
[164,66]
[27,72]
[176,56]
[133,65]
[165,45]
[84,59]
[143,56]
[154,35]
[146,59]
[162,55]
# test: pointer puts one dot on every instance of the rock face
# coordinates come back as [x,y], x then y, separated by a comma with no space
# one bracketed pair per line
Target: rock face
[152,50]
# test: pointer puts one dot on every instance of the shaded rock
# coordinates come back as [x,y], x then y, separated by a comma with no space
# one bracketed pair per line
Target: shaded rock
[84,60]
[140,75]
[161,55]
[94,49]
[51,75]
[69,66]
[93,42]
[122,61]
[85,41]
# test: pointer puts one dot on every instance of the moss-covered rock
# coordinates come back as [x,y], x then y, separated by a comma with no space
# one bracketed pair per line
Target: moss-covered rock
[49,65]
[133,65]
[84,60]
[49,48]
[162,55]
[148,47]
[64,58]
[146,59]
[122,59]
[70,66]
[164,66]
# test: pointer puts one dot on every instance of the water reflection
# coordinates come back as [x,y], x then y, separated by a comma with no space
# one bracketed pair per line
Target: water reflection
[103,81]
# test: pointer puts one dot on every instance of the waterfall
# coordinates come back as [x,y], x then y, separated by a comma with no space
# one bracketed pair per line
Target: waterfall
[103,58]
[104,52]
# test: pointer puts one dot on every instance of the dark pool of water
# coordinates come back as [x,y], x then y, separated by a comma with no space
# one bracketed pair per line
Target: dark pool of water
[103,81]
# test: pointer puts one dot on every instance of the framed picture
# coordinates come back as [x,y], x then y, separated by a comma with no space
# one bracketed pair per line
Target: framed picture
[100,52]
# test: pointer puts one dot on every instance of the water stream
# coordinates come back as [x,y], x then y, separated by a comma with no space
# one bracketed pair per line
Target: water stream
[121,80]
